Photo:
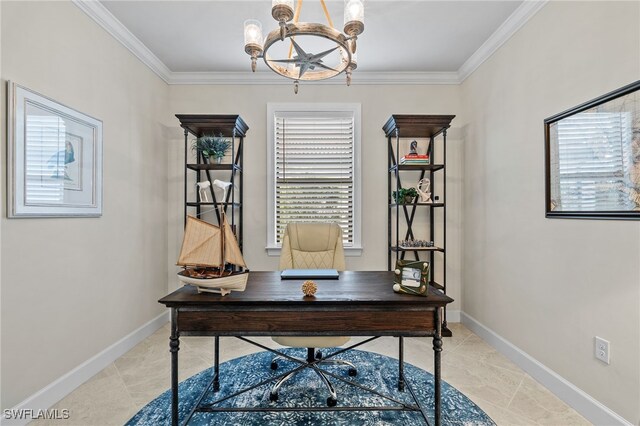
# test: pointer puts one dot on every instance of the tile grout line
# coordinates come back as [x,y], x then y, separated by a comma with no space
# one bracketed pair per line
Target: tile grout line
[515,393]
[135,406]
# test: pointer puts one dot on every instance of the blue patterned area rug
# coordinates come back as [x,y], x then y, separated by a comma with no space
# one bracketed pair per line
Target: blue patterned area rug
[375,371]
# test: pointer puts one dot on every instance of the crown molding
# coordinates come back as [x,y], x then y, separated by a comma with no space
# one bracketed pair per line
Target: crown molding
[96,11]
[509,27]
[359,78]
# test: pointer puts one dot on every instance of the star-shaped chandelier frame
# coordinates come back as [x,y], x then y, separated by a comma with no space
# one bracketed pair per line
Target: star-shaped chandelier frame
[306,66]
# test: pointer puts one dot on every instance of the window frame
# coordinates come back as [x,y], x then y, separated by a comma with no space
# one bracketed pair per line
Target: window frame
[273,249]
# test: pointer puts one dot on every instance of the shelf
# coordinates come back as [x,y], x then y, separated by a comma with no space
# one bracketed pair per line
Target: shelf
[431,167]
[414,126]
[207,124]
[200,167]
[209,203]
[401,227]
[418,204]
[401,248]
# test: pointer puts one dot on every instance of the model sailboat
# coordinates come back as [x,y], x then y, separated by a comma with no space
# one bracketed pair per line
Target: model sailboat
[206,251]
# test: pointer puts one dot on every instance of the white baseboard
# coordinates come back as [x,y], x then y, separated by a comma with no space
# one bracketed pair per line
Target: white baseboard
[586,405]
[55,391]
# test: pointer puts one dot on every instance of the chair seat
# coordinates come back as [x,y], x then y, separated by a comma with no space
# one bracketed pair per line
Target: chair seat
[311,341]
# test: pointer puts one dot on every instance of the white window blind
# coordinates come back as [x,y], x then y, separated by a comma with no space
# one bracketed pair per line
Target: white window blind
[594,160]
[314,170]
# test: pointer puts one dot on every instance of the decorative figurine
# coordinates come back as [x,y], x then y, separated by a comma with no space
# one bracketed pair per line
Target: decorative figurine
[202,189]
[424,190]
[224,186]
[309,288]
[413,148]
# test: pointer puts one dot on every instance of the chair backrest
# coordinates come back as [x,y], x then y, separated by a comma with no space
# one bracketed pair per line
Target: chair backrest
[312,246]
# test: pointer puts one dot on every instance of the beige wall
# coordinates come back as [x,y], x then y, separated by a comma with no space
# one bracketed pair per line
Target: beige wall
[72,287]
[548,285]
[378,103]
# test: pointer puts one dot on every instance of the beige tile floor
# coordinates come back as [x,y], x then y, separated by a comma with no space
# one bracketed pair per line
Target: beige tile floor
[499,387]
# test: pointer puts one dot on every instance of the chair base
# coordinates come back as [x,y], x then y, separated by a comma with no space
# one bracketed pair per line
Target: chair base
[313,360]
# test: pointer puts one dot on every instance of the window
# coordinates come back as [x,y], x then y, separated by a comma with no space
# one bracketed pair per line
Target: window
[314,169]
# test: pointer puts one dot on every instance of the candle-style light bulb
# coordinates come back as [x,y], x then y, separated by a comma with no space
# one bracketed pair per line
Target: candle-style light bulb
[353,20]
[253,40]
[353,11]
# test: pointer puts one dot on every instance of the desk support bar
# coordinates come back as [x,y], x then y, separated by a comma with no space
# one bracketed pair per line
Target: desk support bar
[216,355]
[400,363]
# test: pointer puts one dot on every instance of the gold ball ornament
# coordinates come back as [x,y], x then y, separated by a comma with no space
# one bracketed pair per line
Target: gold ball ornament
[309,288]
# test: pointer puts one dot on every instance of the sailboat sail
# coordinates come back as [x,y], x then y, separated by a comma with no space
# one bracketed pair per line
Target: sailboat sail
[232,253]
[206,249]
[201,244]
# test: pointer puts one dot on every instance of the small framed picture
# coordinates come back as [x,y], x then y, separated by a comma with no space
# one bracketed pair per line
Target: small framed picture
[411,277]
[54,158]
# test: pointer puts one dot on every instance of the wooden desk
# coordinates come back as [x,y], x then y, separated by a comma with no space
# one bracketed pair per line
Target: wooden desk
[357,304]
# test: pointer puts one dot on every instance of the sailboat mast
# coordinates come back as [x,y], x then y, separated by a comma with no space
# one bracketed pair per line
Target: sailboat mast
[224,219]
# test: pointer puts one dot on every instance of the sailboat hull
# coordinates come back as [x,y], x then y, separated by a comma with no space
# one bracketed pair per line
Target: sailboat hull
[236,281]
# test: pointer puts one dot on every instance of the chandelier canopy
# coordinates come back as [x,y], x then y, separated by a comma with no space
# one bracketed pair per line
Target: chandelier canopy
[288,50]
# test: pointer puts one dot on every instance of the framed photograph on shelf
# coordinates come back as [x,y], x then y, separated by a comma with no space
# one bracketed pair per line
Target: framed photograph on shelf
[411,277]
[592,164]
[54,158]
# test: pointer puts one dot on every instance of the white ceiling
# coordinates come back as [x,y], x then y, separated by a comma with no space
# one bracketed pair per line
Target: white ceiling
[176,38]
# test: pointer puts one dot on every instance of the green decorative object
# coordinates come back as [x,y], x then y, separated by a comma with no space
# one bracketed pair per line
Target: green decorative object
[211,146]
[405,195]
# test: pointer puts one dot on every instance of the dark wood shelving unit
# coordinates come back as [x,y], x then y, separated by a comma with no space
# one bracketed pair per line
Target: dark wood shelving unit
[234,128]
[433,127]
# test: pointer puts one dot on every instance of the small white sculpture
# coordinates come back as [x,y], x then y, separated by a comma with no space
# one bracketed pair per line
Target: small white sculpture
[424,190]
[224,186]
[202,189]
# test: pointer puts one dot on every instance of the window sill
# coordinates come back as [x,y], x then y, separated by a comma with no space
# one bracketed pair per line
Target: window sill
[348,251]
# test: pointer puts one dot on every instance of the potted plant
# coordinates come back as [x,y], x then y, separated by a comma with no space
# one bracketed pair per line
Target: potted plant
[211,147]
[405,195]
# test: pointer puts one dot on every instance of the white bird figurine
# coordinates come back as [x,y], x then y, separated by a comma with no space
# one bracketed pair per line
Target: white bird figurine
[222,185]
[425,193]
[202,188]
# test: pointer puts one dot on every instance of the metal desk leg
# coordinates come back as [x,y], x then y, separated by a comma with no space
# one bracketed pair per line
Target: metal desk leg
[174,347]
[401,363]
[216,364]
[437,349]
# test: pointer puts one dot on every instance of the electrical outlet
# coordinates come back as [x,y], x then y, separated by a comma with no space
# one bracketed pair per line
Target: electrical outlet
[602,349]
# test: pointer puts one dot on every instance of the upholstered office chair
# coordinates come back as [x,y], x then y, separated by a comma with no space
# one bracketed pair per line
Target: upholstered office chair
[312,246]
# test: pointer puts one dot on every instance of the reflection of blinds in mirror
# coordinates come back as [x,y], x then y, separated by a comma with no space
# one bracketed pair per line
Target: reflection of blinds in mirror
[594,161]
[44,160]
[314,171]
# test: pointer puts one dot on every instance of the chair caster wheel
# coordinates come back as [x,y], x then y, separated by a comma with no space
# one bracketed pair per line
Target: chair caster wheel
[353,372]
[273,397]
[318,355]
[331,402]
[274,365]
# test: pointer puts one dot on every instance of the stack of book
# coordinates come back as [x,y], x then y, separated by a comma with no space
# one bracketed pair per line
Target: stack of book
[421,159]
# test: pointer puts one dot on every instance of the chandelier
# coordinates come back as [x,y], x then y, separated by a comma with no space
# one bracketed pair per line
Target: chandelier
[336,51]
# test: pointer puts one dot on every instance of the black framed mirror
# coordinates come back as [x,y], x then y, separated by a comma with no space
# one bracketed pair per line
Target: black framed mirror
[592,165]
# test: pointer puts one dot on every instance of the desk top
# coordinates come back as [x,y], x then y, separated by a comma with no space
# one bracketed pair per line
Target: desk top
[363,288]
